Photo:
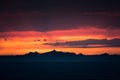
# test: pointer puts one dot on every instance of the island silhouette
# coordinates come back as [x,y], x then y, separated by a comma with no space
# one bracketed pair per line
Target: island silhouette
[58,56]
[55,53]
[51,53]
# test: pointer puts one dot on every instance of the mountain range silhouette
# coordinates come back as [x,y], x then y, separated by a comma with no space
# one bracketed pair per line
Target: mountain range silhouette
[60,53]
[55,53]
[51,53]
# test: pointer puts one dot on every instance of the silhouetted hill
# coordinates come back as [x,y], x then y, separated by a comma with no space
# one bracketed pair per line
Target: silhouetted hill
[58,53]
[55,53]
[32,54]
[105,54]
[51,53]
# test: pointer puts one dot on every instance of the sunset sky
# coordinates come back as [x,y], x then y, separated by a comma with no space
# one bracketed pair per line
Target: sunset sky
[80,26]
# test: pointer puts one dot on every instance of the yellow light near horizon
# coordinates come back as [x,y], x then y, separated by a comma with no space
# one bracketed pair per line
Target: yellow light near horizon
[23,42]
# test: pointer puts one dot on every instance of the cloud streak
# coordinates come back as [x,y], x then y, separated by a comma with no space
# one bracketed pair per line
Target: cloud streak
[89,43]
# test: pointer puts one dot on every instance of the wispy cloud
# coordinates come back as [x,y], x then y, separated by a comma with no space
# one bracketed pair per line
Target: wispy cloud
[90,43]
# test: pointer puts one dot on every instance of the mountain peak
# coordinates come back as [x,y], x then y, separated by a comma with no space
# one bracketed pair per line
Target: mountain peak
[50,53]
[33,54]
[54,51]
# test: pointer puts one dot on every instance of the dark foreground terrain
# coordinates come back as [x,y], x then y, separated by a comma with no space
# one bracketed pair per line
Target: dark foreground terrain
[60,68]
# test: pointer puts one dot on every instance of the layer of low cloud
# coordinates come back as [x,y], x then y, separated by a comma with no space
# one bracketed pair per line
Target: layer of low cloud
[89,43]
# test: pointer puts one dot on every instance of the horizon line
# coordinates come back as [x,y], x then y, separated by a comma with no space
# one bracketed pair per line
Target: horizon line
[104,53]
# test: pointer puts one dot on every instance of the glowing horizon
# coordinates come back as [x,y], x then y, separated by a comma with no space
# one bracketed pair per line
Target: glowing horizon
[83,26]
[21,42]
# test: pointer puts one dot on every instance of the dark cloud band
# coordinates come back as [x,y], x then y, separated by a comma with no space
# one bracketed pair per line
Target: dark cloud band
[37,21]
[90,43]
[47,15]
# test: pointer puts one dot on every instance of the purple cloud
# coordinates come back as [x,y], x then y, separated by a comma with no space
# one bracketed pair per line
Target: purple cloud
[90,43]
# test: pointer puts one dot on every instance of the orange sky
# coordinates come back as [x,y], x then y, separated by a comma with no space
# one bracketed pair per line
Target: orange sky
[82,26]
[14,43]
